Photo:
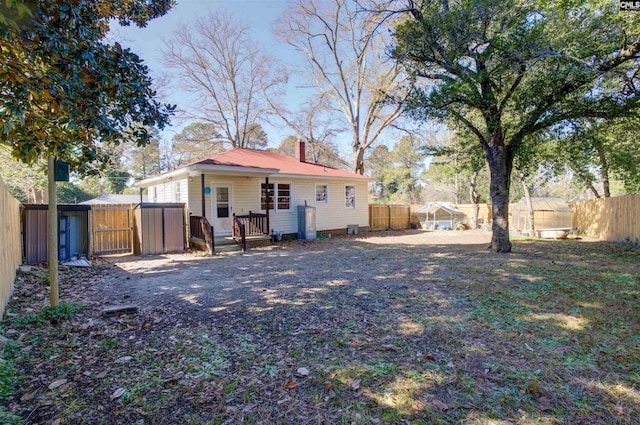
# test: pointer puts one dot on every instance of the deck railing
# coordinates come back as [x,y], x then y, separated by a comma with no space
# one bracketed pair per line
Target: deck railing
[194,227]
[239,232]
[255,224]
[200,228]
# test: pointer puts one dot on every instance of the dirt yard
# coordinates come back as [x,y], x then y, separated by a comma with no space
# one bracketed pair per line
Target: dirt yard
[265,276]
[390,328]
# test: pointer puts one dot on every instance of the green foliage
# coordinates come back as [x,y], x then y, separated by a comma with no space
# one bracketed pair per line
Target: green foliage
[8,380]
[9,418]
[398,171]
[66,92]
[507,69]
[198,140]
[460,162]
[53,315]
[599,150]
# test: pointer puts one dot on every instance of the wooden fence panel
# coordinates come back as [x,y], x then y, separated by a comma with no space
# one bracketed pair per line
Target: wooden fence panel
[378,217]
[111,227]
[383,217]
[609,219]
[10,249]
[399,217]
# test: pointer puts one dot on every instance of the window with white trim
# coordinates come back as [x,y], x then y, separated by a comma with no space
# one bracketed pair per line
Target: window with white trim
[322,192]
[176,191]
[350,197]
[280,196]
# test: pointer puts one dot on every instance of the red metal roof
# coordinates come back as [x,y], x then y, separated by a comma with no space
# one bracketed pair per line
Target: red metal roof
[252,158]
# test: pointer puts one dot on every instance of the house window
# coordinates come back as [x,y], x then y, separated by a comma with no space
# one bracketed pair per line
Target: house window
[176,192]
[321,193]
[280,199]
[349,196]
[284,196]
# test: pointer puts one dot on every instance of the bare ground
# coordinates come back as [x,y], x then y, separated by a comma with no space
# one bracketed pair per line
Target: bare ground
[398,327]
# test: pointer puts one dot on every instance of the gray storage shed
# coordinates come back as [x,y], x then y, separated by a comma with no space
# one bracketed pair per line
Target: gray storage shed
[159,228]
[73,232]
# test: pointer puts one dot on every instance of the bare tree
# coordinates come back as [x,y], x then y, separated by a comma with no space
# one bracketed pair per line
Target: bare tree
[314,123]
[226,72]
[348,63]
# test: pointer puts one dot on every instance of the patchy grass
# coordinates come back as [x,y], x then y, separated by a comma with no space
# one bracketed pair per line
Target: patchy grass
[347,331]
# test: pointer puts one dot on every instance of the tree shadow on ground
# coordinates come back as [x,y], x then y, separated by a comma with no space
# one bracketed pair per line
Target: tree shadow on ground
[359,330]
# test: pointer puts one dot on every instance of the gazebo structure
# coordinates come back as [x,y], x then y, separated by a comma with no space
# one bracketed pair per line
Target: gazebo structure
[441,215]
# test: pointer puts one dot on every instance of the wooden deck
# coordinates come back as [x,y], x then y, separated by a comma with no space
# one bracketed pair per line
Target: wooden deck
[227,243]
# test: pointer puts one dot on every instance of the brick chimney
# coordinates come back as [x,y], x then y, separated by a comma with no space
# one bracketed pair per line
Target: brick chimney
[300,153]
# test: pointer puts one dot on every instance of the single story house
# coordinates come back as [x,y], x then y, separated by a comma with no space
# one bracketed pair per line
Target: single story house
[266,189]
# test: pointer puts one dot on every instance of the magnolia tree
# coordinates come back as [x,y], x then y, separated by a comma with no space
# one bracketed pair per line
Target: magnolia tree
[66,92]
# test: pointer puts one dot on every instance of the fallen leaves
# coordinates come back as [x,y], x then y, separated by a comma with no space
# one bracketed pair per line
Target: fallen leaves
[118,393]
[56,384]
[302,372]
[316,356]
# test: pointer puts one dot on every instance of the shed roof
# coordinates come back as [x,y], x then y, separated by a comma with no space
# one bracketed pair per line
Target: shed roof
[431,207]
[545,204]
[115,199]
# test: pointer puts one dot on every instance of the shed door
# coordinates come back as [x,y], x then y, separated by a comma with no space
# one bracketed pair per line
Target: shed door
[222,209]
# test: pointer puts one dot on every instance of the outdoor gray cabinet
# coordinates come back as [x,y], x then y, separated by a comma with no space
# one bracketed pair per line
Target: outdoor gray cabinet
[306,222]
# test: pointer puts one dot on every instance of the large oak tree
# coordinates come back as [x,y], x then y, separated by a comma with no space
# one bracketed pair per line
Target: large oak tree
[518,68]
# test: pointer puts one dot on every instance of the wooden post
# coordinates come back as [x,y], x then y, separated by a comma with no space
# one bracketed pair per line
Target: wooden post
[268,200]
[204,213]
[53,234]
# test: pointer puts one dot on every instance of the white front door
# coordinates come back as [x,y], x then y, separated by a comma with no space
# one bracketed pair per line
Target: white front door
[221,206]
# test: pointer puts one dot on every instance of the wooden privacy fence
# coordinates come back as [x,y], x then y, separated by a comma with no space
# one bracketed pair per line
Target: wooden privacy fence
[609,219]
[10,249]
[112,229]
[395,217]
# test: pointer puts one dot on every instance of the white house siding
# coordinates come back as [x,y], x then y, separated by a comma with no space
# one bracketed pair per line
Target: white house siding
[330,215]
[246,197]
[169,192]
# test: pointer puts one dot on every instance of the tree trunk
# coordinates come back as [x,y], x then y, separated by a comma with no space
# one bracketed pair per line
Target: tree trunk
[358,165]
[500,164]
[588,184]
[604,172]
[474,197]
[530,215]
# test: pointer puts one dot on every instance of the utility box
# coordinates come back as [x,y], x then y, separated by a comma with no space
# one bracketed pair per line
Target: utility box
[306,222]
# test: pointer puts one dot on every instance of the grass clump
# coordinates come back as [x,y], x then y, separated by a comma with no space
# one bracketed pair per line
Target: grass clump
[53,315]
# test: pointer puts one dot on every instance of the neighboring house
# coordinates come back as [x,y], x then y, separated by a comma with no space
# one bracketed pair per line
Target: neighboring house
[241,181]
[116,199]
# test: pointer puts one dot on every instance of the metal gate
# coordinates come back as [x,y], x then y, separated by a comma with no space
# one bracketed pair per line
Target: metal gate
[112,229]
